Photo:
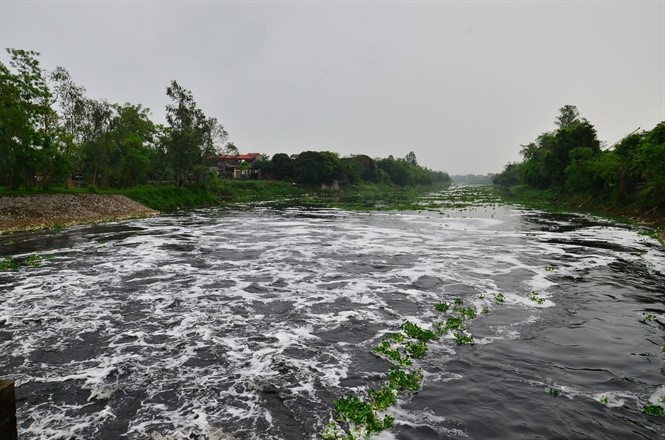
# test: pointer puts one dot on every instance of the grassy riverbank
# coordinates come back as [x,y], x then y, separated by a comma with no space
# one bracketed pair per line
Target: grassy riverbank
[57,207]
[555,201]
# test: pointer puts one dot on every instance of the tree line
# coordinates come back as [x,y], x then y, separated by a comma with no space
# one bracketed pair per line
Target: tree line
[325,167]
[51,132]
[571,161]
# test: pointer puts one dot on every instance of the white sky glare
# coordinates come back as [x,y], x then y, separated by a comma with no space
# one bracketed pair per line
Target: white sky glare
[462,84]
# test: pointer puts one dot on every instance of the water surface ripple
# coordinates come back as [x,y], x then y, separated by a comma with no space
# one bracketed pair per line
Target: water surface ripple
[247,324]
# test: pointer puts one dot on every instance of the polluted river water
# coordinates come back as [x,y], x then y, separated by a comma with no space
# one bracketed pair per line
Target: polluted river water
[250,323]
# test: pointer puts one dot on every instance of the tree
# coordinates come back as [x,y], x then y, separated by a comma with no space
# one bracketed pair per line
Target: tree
[568,114]
[650,161]
[132,134]
[25,116]
[411,158]
[282,167]
[230,149]
[192,136]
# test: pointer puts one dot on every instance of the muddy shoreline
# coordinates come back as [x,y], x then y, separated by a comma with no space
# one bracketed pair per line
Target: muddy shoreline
[22,213]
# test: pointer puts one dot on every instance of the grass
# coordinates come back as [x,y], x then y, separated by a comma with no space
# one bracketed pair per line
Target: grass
[550,200]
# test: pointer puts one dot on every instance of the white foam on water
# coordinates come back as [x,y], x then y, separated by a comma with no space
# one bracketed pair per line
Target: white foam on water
[658,396]
[200,315]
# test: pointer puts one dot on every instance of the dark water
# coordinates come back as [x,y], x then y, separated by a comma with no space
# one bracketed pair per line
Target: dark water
[247,324]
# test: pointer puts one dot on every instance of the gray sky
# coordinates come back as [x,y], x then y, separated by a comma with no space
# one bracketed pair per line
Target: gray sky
[462,84]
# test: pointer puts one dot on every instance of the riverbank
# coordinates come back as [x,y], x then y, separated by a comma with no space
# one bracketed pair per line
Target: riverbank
[41,211]
[59,208]
[549,200]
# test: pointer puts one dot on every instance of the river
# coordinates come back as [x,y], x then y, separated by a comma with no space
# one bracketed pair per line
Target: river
[248,323]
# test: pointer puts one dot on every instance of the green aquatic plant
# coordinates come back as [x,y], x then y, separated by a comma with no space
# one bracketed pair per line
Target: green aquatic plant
[401,380]
[535,298]
[653,410]
[36,260]
[442,307]
[486,311]
[414,331]
[603,400]
[383,398]
[458,301]
[391,353]
[416,349]
[554,392]
[362,414]
[499,298]
[454,323]
[466,312]
[649,317]
[332,431]
[395,337]
[8,263]
[463,338]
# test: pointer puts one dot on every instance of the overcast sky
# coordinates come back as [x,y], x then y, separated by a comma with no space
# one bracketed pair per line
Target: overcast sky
[462,84]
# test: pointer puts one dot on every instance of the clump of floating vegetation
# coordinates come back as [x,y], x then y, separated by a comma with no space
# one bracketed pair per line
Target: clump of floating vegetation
[361,415]
[35,260]
[653,410]
[536,298]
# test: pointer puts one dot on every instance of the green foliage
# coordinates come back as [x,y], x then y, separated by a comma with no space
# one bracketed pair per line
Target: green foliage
[416,349]
[627,178]
[462,338]
[400,379]
[8,263]
[653,410]
[282,167]
[414,331]
[442,307]
[454,323]
[403,172]
[392,353]
[554,392]
[383,398]
[536,298]
[465,312]
[499,298]
[191,136]
[35,260]
[352,409]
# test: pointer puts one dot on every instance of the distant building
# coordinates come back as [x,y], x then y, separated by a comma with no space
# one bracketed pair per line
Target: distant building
[237,166]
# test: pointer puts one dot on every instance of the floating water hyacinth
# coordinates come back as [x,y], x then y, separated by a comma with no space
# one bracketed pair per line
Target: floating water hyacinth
[400,348]
[653,410]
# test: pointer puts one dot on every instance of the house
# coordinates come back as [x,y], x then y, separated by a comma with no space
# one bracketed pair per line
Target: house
[237,166]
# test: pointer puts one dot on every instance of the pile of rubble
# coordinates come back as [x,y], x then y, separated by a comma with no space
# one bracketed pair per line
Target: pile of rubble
[51,210]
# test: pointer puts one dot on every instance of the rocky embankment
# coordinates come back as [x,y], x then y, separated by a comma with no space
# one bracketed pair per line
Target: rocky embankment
[19,213]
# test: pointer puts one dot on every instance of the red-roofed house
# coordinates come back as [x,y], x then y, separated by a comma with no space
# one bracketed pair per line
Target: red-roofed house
[237,166]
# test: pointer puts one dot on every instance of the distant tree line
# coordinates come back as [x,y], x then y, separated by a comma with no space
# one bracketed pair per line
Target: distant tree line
[52,133]
[325,167]
[571,161]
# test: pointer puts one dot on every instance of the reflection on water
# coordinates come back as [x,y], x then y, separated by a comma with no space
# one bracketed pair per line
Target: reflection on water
[248,324]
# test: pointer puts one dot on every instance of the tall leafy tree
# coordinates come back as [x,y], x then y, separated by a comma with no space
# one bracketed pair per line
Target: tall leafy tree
[132,134]
[192,136]
[282,167]
[25,116]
